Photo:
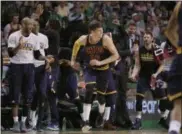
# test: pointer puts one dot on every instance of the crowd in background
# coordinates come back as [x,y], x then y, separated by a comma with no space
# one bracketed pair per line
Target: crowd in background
[73,17]
[69,20]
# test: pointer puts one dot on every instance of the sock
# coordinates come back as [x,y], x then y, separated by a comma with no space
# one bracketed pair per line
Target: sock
[15,119]
[107,113]
[165,114]
[101,108]
[23,118]
[32,114]
[175,126]
[139,115]
[86,111]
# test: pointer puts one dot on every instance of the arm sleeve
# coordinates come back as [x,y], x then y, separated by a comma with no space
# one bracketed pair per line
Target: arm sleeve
[36,54]
[46,51]
[76,48]
[10,52]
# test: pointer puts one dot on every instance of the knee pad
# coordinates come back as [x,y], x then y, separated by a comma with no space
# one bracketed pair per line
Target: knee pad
[163,105]
[89,93]
[101,99]
[139,100]
[79,105]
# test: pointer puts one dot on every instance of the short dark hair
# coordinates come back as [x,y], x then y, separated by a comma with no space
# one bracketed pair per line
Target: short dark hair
[93,25]
[148,33]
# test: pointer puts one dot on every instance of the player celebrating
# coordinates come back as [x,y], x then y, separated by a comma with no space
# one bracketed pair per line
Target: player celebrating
[22,47]
[147,60]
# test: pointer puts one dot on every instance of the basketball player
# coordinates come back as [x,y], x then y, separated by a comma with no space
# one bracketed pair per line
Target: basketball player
[174,34]
[160,79]
[22,47]
[40,79]
[97,48]
[147,60]
[104,120]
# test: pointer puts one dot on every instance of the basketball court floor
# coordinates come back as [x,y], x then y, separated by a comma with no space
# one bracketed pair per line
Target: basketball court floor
[98,132]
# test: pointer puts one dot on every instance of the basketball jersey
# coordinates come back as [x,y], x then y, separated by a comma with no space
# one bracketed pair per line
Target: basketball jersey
[43,44]
[169,52]
[148,62]
[96,51]
[158,53]
[24,55]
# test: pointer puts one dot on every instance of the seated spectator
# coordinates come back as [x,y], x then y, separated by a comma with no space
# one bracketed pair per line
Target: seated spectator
[12,26]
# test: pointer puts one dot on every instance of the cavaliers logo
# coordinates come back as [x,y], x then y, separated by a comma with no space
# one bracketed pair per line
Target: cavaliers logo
[94,52]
